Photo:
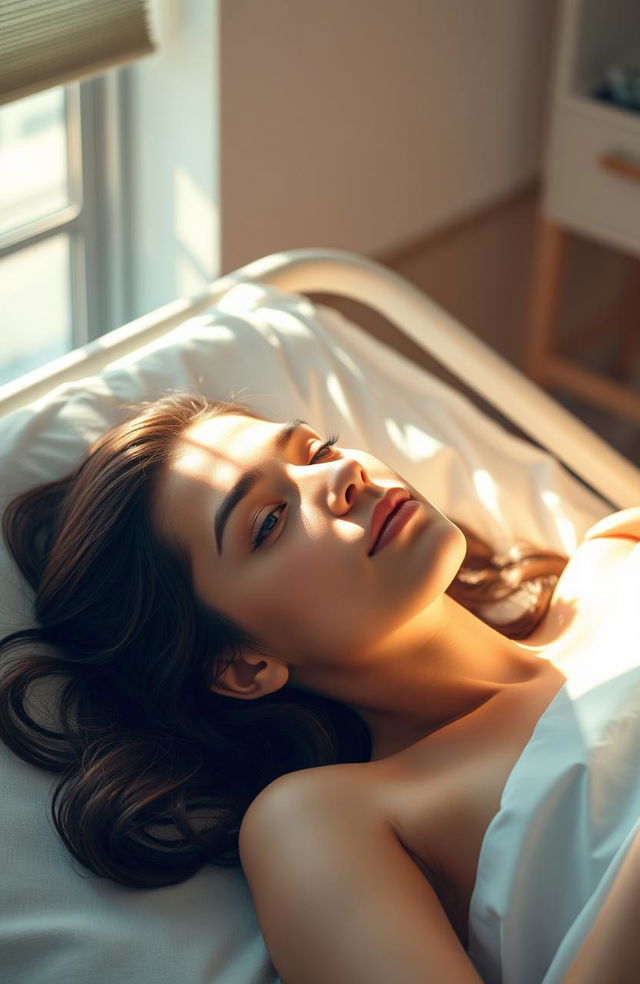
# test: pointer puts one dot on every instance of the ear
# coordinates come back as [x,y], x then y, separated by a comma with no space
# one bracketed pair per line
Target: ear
[251,676]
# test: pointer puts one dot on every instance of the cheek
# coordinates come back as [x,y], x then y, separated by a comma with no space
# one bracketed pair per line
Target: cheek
[312,571]
[312,596]
[324,599]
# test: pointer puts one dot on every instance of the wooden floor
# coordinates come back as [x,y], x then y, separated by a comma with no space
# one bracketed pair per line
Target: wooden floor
[480,272]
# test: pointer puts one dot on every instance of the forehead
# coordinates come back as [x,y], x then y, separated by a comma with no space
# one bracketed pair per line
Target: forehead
[217,451]
[227,442]
[209,457]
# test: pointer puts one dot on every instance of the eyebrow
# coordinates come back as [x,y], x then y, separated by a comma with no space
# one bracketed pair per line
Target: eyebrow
[249,480]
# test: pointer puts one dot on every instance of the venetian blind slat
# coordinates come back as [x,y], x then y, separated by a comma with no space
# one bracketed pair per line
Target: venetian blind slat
[51,42]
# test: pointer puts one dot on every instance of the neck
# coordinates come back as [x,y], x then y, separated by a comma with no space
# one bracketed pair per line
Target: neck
[439,666]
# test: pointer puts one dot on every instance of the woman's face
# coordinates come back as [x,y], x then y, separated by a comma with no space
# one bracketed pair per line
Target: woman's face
[293,564]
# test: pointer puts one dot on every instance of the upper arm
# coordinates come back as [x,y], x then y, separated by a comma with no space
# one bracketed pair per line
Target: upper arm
[625,522]
[337,896]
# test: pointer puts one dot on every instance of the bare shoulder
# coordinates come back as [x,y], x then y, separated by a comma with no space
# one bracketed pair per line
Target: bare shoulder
[336,894]
[598,556]
[624,522]
[594,573]
[350,791]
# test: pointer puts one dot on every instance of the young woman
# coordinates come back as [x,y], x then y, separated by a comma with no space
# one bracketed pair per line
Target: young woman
[224,604]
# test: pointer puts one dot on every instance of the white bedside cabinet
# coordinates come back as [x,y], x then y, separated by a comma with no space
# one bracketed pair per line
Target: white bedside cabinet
[591,188]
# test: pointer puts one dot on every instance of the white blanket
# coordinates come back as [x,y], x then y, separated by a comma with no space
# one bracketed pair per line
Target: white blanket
[568,813]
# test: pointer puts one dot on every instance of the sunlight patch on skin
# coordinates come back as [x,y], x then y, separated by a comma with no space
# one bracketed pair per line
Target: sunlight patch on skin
[188,461]
[222,470]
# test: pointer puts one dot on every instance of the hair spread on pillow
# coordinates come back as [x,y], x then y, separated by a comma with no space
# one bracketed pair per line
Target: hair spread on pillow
[156,770]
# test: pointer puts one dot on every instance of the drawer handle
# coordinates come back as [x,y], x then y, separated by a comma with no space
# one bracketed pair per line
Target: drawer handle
[621,166]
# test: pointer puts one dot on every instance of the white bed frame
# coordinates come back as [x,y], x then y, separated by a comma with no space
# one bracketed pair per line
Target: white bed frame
[447,341]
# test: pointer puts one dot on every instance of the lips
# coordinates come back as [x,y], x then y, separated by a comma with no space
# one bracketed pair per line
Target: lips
[391,500]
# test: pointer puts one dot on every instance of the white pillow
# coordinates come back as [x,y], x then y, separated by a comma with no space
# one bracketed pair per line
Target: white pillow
[60,924]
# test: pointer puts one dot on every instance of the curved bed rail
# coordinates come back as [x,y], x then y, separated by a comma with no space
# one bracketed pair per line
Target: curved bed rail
[438,333]
[474,362]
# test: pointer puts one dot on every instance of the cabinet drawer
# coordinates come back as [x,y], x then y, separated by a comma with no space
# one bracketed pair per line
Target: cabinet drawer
[584,194]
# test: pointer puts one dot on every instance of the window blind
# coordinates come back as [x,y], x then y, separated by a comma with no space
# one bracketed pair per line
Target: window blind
[51,42]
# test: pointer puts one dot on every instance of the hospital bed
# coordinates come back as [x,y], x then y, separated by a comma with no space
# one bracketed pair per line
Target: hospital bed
[255,336]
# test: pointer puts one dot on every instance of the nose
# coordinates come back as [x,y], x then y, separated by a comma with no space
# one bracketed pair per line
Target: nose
[346,484]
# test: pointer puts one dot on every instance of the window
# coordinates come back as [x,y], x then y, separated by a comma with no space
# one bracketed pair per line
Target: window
[61,243]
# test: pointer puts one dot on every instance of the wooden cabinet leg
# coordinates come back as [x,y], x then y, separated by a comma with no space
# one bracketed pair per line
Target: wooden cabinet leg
[630,331]
[548,268]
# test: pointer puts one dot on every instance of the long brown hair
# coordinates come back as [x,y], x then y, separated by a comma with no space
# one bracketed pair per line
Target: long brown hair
[157,771]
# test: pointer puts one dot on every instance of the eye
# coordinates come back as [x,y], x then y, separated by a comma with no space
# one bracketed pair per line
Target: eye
[267,527]
[271,521]
[324,447]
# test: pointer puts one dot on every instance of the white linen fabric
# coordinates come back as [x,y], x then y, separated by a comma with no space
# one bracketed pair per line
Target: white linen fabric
[568,813]
[60,924]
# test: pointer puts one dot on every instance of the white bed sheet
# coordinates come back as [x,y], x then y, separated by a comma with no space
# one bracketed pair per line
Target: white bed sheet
[286,358]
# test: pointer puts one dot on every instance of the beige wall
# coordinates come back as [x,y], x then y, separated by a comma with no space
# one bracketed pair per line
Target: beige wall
[367,124]
[171,116]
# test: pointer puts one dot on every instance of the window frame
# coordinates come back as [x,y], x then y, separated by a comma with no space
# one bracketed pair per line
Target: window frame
[94,217]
